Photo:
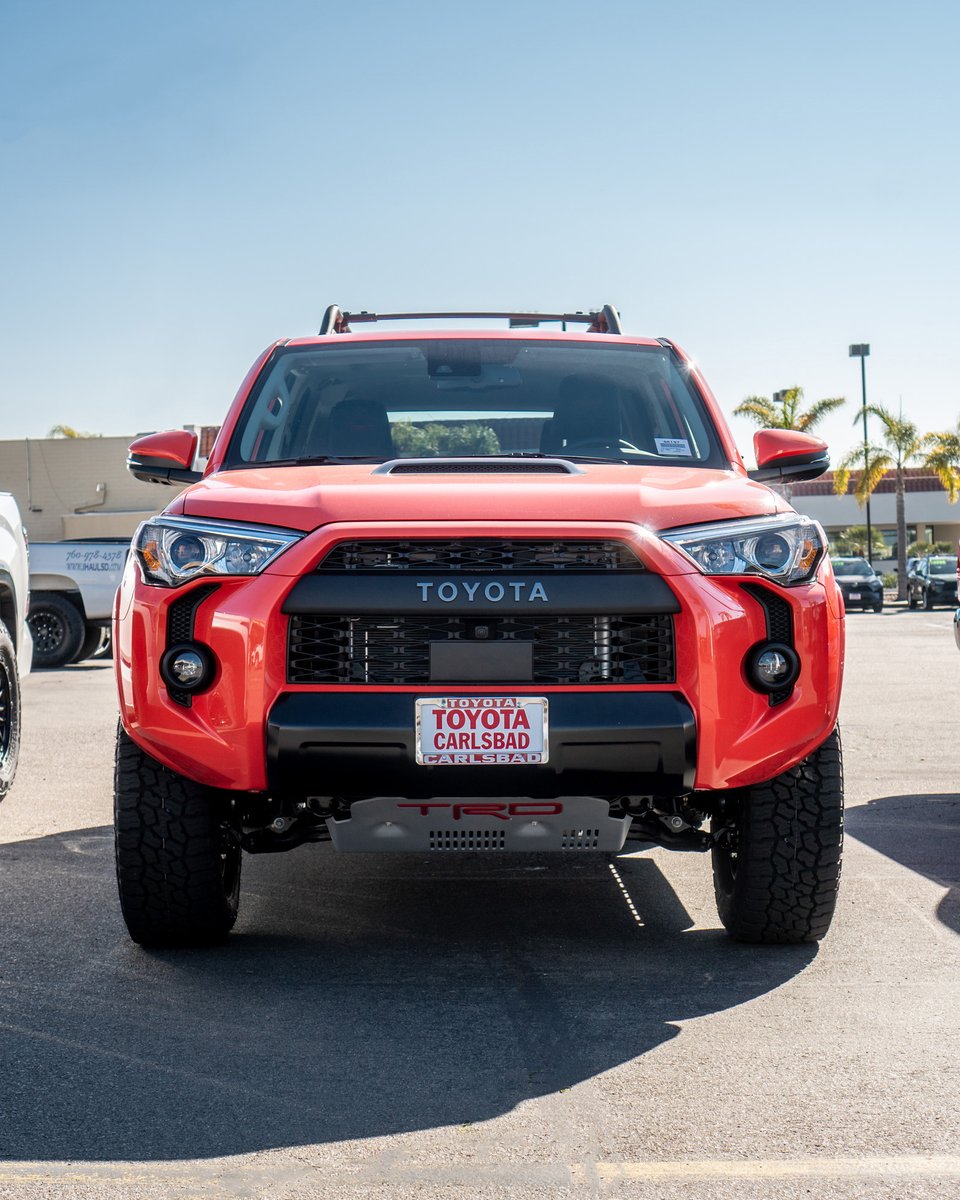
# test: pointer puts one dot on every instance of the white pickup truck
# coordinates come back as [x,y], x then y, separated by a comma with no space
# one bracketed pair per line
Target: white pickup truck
[72,585]
[16,645]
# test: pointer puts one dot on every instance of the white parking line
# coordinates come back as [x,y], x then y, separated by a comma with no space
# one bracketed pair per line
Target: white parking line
[221,1179]
[907,1166]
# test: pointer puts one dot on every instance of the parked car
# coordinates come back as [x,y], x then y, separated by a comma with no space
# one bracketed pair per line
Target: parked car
[933,581]
[861,586]
[456,592]
[16,645]
[72,586]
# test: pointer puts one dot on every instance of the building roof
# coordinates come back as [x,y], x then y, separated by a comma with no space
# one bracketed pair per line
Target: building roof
[916,479]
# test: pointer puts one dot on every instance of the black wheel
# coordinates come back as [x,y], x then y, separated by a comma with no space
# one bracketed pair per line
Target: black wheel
[57,629]
[927,602]
[92,639]
[178,855]
[9,712]
[777,871]
[878,607]
[911,600]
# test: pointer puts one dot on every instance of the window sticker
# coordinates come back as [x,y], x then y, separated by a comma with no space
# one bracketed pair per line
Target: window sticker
[678,447]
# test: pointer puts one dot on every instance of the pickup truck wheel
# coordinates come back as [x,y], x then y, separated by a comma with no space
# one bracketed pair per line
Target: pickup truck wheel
[927,601]
[776,877]
[57,628]
[92,639]
[9,712]
[178,856]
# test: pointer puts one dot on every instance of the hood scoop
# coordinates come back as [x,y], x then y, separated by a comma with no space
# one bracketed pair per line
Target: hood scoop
[478,466]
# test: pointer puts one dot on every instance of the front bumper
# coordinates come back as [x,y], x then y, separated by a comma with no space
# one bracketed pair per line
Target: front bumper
[363,745]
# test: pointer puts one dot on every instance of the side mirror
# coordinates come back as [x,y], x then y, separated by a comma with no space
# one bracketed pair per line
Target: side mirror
[785,454]
[164,457]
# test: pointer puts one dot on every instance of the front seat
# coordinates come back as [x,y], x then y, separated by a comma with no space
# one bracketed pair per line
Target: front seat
[359,428]
[586,416]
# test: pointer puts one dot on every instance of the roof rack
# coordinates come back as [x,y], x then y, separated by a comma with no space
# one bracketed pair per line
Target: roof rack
[602,320]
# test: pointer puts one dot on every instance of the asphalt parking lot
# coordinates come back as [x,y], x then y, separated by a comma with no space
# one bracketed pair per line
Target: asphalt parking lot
[492,1026]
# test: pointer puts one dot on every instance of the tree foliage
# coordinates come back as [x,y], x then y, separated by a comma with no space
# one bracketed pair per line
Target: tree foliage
[67,431]
[943,458]
[853,541]
[439,439]
[787,413]
[902,445]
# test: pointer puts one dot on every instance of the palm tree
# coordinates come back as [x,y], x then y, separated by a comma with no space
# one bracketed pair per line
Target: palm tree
[902,444]
[943,458]
[784,412]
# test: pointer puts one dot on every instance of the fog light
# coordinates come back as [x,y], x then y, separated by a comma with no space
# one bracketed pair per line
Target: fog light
[772,666]
[188,667]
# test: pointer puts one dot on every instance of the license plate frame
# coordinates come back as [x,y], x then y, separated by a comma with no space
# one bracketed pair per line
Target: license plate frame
[523,723]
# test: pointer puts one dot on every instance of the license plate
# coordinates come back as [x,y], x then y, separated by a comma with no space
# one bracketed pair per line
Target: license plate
[472,731]
[854,595]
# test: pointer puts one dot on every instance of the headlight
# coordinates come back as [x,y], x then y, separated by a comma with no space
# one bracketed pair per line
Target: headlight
[786,549]
[173,550]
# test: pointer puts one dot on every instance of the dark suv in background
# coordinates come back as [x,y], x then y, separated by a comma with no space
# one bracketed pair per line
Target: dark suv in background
[933,581]
[860,584]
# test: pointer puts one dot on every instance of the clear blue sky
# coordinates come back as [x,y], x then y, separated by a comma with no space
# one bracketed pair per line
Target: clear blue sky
[182,183]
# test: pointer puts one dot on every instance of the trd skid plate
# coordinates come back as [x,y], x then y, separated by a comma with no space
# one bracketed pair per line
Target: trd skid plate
[567,823]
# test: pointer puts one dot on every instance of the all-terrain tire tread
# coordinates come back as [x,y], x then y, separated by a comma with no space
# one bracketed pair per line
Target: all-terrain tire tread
[788,855]
[168,850]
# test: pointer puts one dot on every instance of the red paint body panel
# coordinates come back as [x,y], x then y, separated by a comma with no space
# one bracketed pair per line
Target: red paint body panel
[307,497]
[775,446]
[179,446]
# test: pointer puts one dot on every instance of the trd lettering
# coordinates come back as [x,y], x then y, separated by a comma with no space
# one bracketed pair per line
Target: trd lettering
[503,812]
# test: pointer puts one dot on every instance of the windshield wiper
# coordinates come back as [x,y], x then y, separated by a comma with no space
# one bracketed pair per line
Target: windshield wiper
[553,457]
[315,460]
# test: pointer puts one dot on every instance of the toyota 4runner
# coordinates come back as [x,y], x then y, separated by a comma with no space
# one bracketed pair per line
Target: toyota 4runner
[457,592]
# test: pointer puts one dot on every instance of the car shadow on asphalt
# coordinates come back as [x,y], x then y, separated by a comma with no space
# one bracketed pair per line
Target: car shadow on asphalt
[359,996]
[921,833]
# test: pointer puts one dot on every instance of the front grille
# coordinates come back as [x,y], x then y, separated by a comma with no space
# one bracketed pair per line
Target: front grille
[481,554]
[396,650]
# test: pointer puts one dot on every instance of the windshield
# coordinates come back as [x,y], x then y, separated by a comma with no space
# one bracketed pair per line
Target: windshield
[374,401]
[855,566]
[943,566]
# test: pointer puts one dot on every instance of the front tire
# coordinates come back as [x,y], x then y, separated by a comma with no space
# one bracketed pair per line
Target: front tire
[9,712]
[927,602]
[776,873]
[178,855]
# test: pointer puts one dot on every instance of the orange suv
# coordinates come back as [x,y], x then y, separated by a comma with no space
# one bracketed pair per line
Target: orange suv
[456,592]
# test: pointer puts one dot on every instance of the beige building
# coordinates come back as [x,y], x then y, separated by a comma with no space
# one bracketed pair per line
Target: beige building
[80,487]
[930,515]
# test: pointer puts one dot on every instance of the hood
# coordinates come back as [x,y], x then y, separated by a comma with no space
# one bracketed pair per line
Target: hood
[307,497]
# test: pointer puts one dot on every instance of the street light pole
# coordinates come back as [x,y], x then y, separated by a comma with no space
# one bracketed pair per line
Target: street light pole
[861,350]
